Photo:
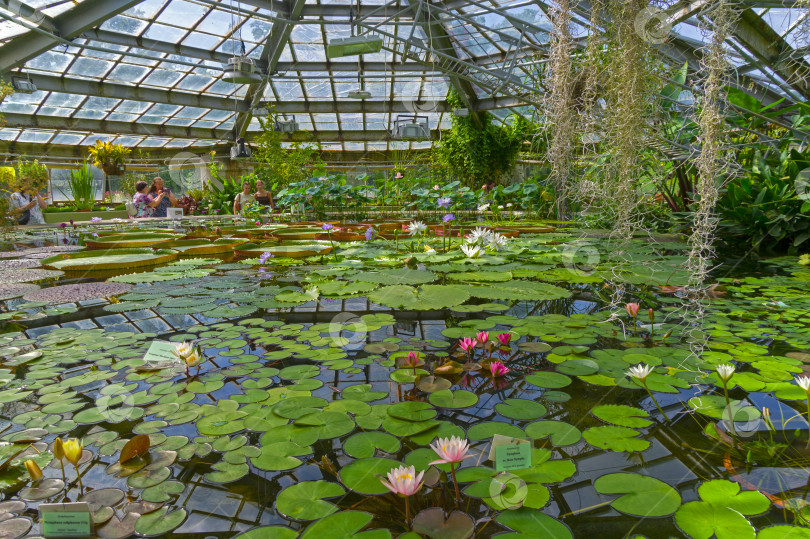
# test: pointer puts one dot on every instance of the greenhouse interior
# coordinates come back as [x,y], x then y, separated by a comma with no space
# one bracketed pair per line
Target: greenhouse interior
[524,269]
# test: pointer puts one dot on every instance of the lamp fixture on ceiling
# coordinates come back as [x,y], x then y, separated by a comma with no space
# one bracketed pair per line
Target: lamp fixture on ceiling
[240,150]
[353,45]
[411,127]
[240,69]
[283,125]
[23,86]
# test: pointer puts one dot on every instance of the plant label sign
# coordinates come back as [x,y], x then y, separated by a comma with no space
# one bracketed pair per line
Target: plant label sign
[510,453]
[161,354]
[65,519]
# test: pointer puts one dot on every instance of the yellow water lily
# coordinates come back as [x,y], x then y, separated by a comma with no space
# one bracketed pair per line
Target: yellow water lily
[59,454]
[73,450]
[33,470]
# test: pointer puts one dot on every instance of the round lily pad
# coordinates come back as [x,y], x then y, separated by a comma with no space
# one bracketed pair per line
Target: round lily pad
[305,501]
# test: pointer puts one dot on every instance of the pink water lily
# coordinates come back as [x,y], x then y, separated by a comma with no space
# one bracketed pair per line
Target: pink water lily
[412,361]
[404,480]
[504,338]
[450,450]
[632,309]
[483,337]
[467,344]
[498,369]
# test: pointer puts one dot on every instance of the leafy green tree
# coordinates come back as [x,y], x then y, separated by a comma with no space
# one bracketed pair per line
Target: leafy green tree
[278,166]
[475,152]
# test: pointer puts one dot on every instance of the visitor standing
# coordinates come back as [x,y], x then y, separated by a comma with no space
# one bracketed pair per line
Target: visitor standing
[243,199]
[144,204]
[263,197]
[167,202]
[27,206]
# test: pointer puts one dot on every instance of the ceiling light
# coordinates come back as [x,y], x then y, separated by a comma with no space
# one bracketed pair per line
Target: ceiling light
[351,46]
[240,150]
[286,126]
[23,86]
[241,70]
[411,127]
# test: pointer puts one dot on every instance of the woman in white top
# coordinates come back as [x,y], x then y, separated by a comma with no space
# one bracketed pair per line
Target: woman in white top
[243,199]
[21,202]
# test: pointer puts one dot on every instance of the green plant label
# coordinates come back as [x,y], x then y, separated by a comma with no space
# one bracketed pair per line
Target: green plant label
[510,453]
[65,519]
[161,353]
[513,457]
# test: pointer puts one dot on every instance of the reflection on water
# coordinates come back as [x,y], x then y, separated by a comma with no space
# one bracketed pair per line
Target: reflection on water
[770,457]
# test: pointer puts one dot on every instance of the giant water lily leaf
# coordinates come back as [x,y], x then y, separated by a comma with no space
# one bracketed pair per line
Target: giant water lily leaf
[109,259]
[305,501]
[642,495]
[721,511]
[425,298]
[400,276]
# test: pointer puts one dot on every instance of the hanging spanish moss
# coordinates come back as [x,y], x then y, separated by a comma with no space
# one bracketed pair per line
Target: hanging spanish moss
[561,106]
[715,66]
[627,104]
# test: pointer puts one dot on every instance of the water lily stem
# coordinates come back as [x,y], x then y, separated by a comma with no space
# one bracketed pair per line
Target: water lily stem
[79,478]
[808,415]
[730,412]
[653,399]
[408,511]
[64,477]
[455,484]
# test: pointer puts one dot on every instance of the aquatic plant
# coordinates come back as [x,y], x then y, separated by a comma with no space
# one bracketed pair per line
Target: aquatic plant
[451,451]
[404,481]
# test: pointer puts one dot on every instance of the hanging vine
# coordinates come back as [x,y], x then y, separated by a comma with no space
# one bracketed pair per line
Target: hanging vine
[561,106]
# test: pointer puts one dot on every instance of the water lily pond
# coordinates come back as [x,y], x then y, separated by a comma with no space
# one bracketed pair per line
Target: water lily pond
[318,362]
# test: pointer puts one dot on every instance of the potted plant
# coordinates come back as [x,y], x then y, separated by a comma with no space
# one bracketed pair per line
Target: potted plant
[32,173]
[109,157]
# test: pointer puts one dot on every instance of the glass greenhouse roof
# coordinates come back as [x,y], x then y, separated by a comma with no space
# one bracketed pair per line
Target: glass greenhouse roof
[147,73]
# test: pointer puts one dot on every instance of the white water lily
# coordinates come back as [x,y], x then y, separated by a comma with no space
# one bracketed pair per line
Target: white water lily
[417,227]
[509,205]
[725,372]
[478,235]
[500,207]
[183,350]
[471,251]
[804,383]
[483,207]
[193,359]
[496,241]
[640,372]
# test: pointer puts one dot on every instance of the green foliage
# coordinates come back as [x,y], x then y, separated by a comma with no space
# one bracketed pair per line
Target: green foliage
[479,153]
[31,175]
[319,191]
[81,187]
[278,165]
[763,204]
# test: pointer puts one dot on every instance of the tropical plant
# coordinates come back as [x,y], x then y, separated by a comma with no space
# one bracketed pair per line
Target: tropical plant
[477,150]
[81,187]
[763,205]
[108,157]
[32,174]
[279,165]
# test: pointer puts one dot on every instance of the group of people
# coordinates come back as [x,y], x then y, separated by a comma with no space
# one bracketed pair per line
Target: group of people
[246,198]
[152,200]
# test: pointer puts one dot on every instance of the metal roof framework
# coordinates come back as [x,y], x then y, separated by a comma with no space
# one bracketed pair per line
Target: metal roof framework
[145,73]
